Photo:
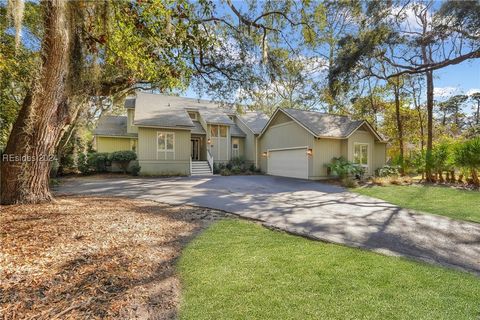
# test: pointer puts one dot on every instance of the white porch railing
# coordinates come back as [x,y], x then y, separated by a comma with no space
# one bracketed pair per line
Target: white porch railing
[210,160]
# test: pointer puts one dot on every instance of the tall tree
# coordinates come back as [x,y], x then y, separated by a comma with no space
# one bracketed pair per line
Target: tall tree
[435,39]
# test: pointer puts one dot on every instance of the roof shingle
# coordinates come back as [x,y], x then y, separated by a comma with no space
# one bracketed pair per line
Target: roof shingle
[324,124]
[113,126]
[254,120]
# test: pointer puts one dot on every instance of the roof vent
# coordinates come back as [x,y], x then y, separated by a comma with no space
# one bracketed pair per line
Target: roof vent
[169,104]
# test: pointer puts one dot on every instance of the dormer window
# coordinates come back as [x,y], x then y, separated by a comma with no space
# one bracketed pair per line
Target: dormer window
[193,115]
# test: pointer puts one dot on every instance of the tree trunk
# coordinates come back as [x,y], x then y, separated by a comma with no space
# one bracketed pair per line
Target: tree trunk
[41,120]
[398,116]
[428,166]
[478,112]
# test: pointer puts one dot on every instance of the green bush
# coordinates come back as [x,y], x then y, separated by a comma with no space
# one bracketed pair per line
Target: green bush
[225,172]
[135,169]
[236,169]
[123,158]
[83,165]
[92,162]
[216,169]
[343,168]
[467,156]
[387,171]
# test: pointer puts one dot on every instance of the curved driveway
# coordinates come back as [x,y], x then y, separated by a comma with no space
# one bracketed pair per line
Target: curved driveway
[309,208]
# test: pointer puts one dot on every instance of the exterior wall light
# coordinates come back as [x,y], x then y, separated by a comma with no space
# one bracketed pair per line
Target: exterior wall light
[309,152]
[264,154]
[209,141]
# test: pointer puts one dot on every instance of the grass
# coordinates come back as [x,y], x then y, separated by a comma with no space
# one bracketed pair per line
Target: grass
[449,202]
[240,270]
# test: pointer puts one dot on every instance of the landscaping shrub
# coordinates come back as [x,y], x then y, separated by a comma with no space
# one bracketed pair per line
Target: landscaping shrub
[83,165]
[236,169]
[123,158]
[135,169]
[467,156]
[225,172]
[348,182]
[387,171]
[216,169]
[343,168]
[92,162]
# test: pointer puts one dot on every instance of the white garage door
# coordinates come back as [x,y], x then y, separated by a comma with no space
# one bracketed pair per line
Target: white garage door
[288,163]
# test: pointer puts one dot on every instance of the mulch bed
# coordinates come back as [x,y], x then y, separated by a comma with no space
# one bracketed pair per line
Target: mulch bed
[92,257]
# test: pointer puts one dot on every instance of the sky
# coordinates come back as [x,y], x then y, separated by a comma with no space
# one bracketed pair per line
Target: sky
[463,78]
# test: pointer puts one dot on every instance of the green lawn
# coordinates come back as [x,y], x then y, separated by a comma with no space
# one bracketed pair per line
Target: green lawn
[453,203]
[240,270]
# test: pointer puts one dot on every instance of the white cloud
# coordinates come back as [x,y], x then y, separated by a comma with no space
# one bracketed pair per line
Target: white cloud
[472,91]
[445,92]
[408,16]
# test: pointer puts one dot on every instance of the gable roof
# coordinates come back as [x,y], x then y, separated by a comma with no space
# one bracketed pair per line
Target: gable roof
[171,111]
[325,125]
[112,126]
[254,120]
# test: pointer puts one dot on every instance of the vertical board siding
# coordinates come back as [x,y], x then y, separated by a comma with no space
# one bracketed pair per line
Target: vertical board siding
[362,137]
[379,155]
[111,144]
[130,115]
[219,146]
[323,152]
[249,142]
[147,145]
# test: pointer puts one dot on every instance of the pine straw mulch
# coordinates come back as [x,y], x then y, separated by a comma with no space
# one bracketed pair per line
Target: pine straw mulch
[91,257]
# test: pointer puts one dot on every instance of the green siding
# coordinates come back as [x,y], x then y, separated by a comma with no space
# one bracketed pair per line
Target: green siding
[379,155]
[250,152]
[219,146]
[161,163]
[112,144]
[323,152]
[130,117]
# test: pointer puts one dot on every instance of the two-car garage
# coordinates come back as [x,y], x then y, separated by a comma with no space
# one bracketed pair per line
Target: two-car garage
[288,162]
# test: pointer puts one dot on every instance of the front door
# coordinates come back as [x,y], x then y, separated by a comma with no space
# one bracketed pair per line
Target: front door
[195,149]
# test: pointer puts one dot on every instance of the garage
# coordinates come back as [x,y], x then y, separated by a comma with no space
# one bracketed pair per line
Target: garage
[291,162]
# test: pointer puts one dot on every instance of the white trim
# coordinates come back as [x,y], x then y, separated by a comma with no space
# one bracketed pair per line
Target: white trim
[291,148]
[166,150]
[166,128]
[368,154]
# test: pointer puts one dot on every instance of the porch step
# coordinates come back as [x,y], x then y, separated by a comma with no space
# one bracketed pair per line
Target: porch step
[201,168]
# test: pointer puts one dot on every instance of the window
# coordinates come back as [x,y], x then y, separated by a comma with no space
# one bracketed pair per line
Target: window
[165,141]
[214,131]
[193,115]
[223,131]
[360,154]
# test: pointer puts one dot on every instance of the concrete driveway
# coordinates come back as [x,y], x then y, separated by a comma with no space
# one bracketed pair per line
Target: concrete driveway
[309,208]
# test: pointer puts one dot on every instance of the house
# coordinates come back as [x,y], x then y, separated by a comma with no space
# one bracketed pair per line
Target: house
[297,143]
[175,135]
